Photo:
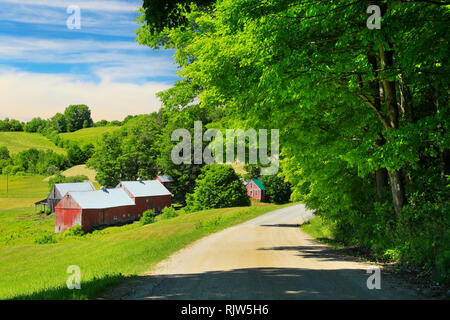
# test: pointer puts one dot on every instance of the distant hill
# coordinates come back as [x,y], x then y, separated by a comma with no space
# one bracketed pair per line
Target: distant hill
[20,141]
[80,170]
[88,135]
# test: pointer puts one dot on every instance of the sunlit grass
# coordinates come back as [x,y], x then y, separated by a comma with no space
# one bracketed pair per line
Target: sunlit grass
[39,271]
[88,135]
[20,141]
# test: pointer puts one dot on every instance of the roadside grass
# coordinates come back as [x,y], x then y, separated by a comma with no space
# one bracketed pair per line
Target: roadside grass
[106,257]
[317,229]
[20,141]
[88,135]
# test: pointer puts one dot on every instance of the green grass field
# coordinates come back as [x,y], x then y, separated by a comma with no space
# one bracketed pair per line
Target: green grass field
[38,271]
[22,191]
[20,141]
[88,135]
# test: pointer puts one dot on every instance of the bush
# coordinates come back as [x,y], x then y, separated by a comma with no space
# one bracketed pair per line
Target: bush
[75,231]
[218,186]
[147,217]
[169,212]
[277,189]
[45,238]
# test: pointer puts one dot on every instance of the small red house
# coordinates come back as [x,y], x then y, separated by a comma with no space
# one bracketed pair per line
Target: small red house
[165,180]
[94,208]
[148,194]
[256,190]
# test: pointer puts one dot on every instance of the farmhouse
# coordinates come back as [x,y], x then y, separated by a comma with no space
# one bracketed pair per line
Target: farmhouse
[60,189]
[256,190]
[165,180]
[148,194]
[94,208]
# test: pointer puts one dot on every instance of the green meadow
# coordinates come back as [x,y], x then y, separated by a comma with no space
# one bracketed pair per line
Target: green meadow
[20,141]
[105,257]
[88,135]
[34,260]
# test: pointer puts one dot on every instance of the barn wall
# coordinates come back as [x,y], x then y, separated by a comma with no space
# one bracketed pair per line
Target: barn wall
[156,203]
[67,214]
[99,217]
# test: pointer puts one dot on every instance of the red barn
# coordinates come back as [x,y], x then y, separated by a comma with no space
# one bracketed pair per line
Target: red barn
[165,180]
[148,194]
[94,208]
[256,190]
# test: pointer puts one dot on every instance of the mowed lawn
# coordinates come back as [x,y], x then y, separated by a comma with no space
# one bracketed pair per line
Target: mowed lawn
[38,271]
[88,135]
[20,141]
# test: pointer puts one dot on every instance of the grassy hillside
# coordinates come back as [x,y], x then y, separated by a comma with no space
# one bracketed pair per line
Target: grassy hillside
[88,135]
[22,191]
[38,271]
[80,170]
[19,141]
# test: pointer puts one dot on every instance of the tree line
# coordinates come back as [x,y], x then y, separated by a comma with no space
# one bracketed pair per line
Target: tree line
[363,114]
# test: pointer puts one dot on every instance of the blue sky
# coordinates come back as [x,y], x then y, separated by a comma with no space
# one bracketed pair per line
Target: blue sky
[45,66]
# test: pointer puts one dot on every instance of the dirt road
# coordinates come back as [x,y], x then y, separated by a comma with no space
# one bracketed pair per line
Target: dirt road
[265,258]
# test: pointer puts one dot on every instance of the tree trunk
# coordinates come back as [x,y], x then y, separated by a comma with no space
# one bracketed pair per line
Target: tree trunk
[381,181]
[381,175]
[405,101]
[398,191]
[397,187]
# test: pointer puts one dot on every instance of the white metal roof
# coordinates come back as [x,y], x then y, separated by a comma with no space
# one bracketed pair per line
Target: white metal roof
[63,188]
[102,199]
[145,188]
[165,178]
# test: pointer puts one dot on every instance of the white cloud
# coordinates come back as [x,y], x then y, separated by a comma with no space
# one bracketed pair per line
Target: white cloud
[115,60]
[27,95]
[110,5]
[114,18]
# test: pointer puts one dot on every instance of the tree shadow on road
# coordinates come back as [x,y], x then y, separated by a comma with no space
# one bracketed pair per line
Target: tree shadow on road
[258,284]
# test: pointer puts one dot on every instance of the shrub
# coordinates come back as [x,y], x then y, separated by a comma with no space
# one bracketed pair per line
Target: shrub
[169,212]
[147,217]
[277,189]
[217,187]
[75,231]
[45,238]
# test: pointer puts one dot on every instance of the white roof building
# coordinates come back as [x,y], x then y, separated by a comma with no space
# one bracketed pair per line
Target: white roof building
[102,199]
[144,188]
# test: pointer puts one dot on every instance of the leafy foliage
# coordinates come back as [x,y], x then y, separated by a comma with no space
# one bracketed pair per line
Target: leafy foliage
[363,114]
[218,186]
[147,217]
[169,212]
[78,117]
[277,189]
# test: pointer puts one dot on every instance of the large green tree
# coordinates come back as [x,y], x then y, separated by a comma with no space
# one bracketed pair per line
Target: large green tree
[128,153]
[78,117]
[363,113]
[218,186]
